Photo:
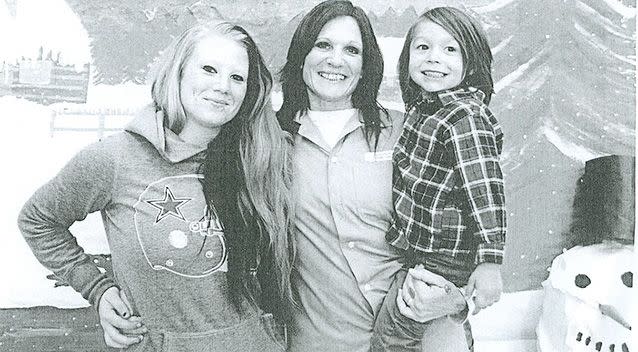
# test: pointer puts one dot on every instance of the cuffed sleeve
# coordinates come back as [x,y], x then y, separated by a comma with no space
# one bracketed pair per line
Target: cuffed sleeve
[490,253]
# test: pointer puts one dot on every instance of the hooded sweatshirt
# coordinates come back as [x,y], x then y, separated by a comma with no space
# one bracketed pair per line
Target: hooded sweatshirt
[168,247]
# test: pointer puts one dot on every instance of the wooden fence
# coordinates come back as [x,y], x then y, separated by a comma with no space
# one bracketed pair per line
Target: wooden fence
[80,118]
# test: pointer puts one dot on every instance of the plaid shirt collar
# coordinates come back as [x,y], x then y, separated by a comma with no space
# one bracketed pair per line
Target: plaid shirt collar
[450,95]
[434,101]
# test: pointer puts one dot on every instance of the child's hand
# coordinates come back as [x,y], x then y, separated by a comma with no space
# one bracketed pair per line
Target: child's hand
[486,280]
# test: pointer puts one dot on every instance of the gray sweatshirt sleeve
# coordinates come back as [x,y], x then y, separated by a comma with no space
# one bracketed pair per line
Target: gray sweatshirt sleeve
[83,186]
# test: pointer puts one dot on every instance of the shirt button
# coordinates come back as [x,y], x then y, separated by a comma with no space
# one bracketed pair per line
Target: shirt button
[350,244]
[334,159]
[367,287]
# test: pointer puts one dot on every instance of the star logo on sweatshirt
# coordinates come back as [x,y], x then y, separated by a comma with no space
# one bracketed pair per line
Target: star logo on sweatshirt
[169,206]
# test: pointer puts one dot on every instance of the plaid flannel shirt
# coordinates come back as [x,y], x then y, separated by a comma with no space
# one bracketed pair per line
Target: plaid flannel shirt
[447,182]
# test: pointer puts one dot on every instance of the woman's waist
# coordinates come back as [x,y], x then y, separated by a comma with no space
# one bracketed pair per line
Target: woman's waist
[200,325]
[186,306]
[251,332]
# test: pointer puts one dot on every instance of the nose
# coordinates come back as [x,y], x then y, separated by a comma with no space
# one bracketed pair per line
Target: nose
[613,313]
[335,58]
[222,84]
[433,55]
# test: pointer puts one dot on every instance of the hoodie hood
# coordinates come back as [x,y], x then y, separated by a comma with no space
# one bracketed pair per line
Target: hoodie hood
[148,124]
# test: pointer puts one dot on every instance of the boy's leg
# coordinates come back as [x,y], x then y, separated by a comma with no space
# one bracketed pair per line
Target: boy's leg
[392,330]
[457,270]
[444,335]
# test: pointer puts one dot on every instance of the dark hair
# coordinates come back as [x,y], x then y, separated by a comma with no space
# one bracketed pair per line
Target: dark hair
[477,56]
[364,97]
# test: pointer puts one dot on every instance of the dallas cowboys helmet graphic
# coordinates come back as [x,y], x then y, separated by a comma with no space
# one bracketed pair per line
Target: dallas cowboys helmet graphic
[177,231]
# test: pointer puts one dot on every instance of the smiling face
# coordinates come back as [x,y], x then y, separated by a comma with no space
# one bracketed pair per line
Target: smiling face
[213,86]
[333,66]
[436,61]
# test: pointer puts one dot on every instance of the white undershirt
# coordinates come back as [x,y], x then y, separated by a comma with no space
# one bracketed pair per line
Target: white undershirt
[330,123]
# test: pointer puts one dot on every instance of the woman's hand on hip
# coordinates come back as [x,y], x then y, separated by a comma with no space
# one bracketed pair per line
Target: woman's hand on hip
[426,296]
[121,329]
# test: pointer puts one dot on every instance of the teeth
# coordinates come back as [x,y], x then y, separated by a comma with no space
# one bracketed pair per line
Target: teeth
[433,74]
[332,76]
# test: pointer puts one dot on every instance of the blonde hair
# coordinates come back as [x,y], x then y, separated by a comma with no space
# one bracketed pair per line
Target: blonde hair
[247,167]
[167,74]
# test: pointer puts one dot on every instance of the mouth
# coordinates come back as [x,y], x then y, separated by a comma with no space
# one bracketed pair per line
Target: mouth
[433,74]
[333,77]
[217,102]
[598,345]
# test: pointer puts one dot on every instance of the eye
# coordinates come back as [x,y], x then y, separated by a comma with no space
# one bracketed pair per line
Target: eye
[422,47]
[353,50]
[209,69]
[322,45]
[237,78]
[582,280]
[628,279]
[451,49]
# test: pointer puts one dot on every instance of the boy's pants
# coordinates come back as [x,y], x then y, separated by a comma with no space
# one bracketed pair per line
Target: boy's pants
[395,332]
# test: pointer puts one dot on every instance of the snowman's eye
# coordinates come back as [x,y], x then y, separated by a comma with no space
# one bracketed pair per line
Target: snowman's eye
[582,280]
[628,279]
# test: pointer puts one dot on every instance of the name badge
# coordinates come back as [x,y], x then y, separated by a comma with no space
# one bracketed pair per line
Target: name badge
[384,155]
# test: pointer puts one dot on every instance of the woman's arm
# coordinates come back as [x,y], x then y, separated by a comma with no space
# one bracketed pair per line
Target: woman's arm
[414,301]
[426,296]
[81,187]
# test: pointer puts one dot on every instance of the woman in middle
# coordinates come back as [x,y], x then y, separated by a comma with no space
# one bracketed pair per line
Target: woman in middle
[342,178]
[342,183]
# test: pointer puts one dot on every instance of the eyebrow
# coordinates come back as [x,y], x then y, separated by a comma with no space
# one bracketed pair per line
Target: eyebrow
[351,42]
[234,69]
[452,41]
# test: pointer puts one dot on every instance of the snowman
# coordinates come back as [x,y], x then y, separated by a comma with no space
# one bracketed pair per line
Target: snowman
[589,300]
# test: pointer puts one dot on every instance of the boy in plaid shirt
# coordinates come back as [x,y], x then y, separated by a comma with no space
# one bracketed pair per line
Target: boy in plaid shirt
[447,183]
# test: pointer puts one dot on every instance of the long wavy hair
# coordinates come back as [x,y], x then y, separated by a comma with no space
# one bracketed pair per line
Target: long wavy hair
[364,97]
[475,50]
[247,170]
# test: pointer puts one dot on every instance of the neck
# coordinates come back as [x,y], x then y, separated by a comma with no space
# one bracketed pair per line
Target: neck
[197,135]
[318,104]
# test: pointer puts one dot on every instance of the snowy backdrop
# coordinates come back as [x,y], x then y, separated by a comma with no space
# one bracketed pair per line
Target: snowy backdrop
[565,93]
